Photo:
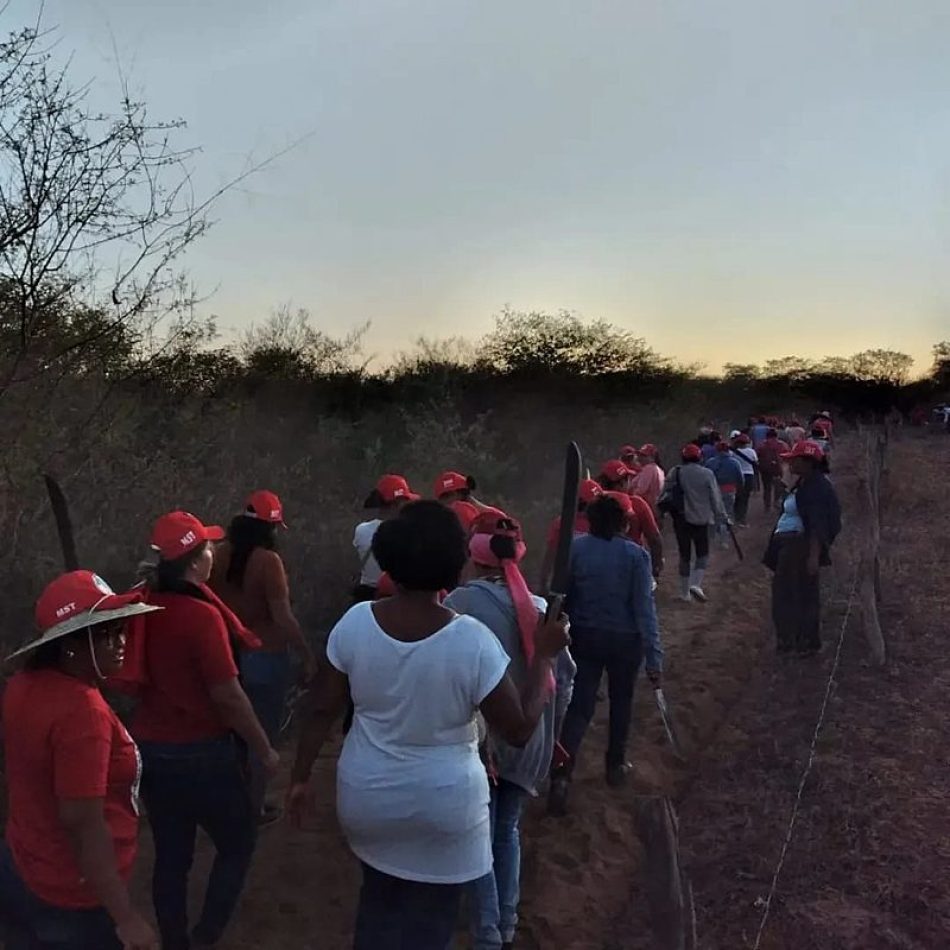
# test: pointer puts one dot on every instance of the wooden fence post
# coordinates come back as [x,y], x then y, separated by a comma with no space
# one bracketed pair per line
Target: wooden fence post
[669,896]
[869,586]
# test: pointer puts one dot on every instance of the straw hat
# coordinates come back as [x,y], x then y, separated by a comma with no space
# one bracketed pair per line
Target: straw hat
[78,600]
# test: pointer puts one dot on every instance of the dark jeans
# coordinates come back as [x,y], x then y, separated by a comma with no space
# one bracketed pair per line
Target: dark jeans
[186,787]
[743,497]
[266,679]
[796,597]
[622,662]
[688,537]
[773,490]
[27,923]
[395,914]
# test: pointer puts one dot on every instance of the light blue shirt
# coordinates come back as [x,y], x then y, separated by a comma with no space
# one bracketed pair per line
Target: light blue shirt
[791,521]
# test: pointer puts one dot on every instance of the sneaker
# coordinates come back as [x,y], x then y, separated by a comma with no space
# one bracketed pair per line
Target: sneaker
[617,774]
[698,593]
[557,796]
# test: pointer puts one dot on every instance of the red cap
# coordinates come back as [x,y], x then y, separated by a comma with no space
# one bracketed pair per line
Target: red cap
[615,470]
[449,482]
[466,512]
[622,499]
[648,449]
[265,506]
[78,593]
[805,449]
[743,439]
[589,490]
[628,451]
[495,521]
[395,488]
[179,532]
[692,452]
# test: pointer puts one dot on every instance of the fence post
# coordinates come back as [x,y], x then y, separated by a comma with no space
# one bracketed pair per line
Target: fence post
[672,913]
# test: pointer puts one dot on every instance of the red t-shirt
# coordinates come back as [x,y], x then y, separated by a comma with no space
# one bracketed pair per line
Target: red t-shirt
[641,522]
[188,651]
[62,741]
[581,526]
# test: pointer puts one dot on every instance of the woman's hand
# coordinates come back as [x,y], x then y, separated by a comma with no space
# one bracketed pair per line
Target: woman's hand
[136,933]
[300,803]
[552,636]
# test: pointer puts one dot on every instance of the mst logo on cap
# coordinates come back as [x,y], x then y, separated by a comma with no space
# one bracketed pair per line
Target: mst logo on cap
[179,532]
[265,506]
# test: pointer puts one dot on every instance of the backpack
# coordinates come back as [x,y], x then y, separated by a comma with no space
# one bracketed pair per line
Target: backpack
[672,500]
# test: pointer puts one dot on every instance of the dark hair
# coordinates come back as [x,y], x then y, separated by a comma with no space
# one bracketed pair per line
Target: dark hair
[423,548]
[169,576]
[49,656]
[817,433]
[503,547]
[772,434]
[609,485]
[246,533]
[606,517]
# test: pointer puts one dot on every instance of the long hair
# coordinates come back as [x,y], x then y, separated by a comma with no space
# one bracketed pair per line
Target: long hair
[245,534]
[168,577]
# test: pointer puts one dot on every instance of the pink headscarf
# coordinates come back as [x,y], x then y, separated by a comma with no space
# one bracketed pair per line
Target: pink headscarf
[492,523]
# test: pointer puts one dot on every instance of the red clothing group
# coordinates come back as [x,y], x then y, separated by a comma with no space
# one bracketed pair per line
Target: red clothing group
[64,742]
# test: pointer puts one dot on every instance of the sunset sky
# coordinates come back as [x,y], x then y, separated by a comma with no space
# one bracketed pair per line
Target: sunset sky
[732,180]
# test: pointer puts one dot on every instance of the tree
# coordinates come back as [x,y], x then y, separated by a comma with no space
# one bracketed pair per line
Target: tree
[288,347]
[95,210]
[791,368]
[940,369]
[542,344]
[740,372]
[887,367]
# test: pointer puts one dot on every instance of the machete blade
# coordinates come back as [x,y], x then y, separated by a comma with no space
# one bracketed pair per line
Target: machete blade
[64,526]
[668,724]
[562,559]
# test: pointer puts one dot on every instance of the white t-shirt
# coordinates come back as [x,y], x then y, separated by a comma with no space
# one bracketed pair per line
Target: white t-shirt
[363,542]
[748,453]
[412,794]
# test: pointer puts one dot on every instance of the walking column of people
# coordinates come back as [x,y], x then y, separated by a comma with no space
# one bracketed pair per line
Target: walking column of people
[463,700]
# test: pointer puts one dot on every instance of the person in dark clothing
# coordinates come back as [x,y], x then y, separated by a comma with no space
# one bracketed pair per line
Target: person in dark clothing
[770,469]
[613,625]
[799,548]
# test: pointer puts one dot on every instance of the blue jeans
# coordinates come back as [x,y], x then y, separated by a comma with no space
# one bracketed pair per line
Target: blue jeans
[28,923]
[266,680]
[495,896]
[395,914]
[722,529]
[185,787]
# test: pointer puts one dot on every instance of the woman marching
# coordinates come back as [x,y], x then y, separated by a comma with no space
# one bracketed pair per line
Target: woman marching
[249,576]
[454,490]
[692,497]
[648,482]
[799,547]
[499,598]
[613,614]
[387,498]
[417,673]
[72,774]
[194,725]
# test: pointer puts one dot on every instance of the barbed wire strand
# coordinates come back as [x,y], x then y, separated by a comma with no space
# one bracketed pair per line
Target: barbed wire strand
[811,760]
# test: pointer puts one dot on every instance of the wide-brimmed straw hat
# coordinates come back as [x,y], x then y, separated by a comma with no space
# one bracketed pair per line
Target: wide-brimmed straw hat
[78,600]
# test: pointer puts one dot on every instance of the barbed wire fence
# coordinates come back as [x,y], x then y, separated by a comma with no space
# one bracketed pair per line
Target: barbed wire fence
[866,587]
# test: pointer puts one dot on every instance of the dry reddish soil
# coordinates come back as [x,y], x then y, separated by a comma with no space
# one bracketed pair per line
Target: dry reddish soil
[867,864]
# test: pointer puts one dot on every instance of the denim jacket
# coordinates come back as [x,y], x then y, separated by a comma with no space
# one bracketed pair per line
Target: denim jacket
[610,597]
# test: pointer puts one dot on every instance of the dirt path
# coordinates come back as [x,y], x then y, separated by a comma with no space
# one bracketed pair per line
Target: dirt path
[864,868]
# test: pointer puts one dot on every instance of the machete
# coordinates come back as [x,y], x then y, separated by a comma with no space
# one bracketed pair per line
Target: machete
[668,724]
[562,558]
[64,526]
[735,541]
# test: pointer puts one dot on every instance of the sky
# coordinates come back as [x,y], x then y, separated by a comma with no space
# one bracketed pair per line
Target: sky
[731,180]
